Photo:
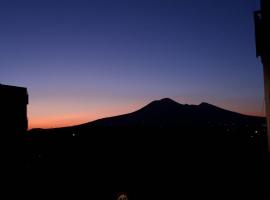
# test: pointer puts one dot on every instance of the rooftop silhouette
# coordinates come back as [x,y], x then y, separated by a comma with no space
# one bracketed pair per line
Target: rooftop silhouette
[13,103]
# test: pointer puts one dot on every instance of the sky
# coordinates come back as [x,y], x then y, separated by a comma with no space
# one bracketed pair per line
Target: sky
[87,59]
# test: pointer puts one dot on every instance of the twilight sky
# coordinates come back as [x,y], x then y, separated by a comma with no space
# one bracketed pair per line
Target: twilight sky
[82,60]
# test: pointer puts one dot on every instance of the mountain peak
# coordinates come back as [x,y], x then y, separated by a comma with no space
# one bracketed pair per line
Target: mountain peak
[166,100]
[162,104]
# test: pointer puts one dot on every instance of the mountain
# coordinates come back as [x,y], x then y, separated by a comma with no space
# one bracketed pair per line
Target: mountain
[171,114]
[200,148]
[164,114]
[191,126]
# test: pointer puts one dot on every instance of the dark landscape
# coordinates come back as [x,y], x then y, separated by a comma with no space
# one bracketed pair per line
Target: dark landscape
[163,145]
[82,60]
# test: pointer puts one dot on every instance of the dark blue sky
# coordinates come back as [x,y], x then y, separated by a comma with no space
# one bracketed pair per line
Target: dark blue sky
[82,60]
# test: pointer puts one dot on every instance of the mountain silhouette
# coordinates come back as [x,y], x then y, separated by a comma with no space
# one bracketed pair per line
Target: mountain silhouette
[169,113]
[163,144]
[196,125]
[166,117]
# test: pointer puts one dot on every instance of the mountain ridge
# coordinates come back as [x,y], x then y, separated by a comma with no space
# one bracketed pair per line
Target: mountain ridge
[172,113]
[168,109]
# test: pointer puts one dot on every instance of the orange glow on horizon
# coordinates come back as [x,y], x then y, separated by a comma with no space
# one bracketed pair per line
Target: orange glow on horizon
[60,115]
[63,118]
[56,122]
[65,121]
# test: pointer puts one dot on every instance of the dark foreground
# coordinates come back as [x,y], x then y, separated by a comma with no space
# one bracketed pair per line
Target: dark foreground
[146,164]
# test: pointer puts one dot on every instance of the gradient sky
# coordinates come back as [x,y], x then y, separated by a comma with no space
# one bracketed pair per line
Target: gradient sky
[82,60]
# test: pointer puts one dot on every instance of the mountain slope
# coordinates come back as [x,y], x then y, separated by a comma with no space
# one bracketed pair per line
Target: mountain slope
[166,113]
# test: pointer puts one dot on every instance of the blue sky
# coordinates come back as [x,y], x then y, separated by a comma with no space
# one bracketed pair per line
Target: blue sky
[82,60]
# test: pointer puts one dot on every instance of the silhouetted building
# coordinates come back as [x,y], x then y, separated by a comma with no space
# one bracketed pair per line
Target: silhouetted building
[13,106]
[262,32]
